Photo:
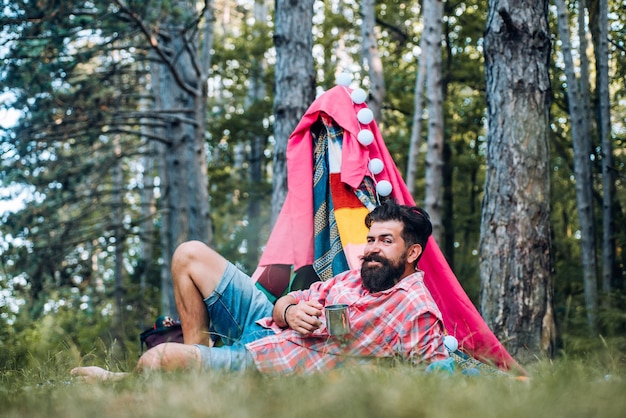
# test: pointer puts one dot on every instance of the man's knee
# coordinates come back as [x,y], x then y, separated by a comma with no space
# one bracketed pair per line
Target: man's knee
[153,359]
[170,356]
[190,250]
[198,260]
[197,252]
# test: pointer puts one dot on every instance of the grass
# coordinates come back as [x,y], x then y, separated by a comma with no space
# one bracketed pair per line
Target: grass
[590,387]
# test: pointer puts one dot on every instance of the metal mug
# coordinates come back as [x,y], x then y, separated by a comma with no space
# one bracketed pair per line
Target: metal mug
[337,319]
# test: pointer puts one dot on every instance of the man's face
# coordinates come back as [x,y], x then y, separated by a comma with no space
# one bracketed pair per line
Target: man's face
[385,256]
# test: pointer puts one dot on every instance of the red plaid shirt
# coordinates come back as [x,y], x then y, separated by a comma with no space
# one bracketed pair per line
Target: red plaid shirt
[402,322]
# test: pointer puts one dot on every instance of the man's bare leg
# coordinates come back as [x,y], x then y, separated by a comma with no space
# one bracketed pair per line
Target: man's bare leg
[170,357]
[163,357]
[196,271]
[92,374]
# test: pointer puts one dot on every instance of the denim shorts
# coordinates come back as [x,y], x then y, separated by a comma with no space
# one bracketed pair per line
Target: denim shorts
[234,307]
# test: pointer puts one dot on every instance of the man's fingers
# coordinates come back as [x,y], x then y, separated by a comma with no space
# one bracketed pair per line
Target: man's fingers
[305,324]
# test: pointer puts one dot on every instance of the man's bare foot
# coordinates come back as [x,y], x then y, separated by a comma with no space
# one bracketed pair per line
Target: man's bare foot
[92,374]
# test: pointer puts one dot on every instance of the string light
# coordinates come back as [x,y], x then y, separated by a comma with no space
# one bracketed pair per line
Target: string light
[365,116]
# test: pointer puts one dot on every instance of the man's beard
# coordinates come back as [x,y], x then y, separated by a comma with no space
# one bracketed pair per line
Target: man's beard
[384,276]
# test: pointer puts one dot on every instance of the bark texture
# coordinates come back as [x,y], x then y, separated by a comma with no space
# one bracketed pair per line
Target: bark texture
[372,58]
[609,270]
[295,84]
[416,128]
[515,259]
[433,16]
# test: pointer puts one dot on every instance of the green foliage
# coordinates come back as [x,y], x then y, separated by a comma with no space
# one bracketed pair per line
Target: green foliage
[66,334]
[238,139]
[75,71]
[70,96]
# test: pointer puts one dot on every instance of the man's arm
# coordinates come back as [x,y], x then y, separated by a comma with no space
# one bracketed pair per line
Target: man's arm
[302,317]
[430,332]
[282,308]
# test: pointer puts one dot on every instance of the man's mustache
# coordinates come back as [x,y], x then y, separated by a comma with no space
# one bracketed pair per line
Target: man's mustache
[374,257]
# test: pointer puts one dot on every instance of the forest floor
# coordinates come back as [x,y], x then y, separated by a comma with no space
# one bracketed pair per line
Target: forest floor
[566,387]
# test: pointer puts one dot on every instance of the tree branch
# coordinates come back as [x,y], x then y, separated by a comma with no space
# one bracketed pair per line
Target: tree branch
[155,45]
[158,138]
[149,114]
[616,45]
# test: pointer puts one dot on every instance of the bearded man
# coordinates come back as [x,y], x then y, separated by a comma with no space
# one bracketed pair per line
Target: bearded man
[392,314]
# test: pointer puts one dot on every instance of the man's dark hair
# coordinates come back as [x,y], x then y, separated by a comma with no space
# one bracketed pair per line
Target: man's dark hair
[415,220]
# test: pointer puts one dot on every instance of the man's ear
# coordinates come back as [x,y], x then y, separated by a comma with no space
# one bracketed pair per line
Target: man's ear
[414,252]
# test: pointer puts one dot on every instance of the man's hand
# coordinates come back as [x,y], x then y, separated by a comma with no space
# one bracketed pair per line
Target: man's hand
[304,317]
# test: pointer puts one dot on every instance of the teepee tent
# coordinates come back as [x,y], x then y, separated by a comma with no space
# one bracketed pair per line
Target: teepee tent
[338,170]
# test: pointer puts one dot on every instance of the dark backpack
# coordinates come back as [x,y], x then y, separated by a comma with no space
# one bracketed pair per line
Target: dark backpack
[164,330]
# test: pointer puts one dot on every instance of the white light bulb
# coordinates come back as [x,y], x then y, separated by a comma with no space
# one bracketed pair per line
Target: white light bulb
[383,188]
[451,343]
[365,137]
[365,116]
[376,166]
[358,96]
[344,79]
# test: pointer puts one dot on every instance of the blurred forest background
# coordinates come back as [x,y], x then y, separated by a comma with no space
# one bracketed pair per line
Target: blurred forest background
[145,123]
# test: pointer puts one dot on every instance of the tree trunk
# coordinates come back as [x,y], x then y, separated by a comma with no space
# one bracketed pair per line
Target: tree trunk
[148,210]
[118,233]
[433,16]
[585,89]
[185,193]
[448,232]
[294,81]
[418,109]
[608,174]
[167,291]
[180,81]
[515,263]
[582,170]
[256,94]
[148,213]
[372,58]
